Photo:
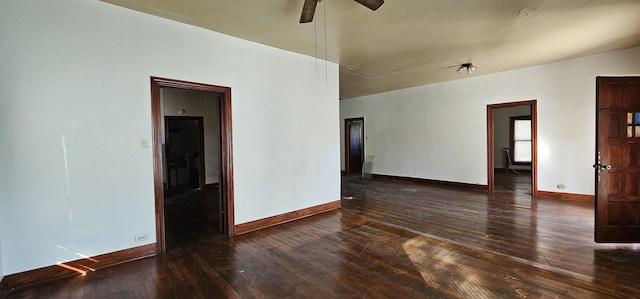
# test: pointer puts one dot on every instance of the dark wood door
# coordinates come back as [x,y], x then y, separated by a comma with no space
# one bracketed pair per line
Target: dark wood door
[618,159]
[355,145]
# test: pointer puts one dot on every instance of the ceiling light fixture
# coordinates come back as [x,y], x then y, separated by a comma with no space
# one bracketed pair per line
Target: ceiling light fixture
[468,67]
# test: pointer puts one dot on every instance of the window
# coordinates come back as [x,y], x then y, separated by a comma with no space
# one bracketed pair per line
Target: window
[521,139]
[633,124]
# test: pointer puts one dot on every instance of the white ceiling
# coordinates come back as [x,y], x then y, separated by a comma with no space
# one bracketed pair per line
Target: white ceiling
[409,43]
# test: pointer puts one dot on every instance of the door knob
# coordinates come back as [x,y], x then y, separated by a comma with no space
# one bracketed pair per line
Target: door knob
[601,166]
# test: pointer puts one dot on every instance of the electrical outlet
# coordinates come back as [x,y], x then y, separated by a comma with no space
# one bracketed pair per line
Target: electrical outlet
[144,143]
[140,238]
[561,186]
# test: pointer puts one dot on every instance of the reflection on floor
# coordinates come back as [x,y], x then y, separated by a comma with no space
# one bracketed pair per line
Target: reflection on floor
[190,217]
[509,181]
[180,188]
[391,239]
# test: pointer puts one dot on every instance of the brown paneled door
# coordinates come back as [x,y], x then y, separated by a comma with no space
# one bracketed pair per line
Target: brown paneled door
[354,151]
[618,159]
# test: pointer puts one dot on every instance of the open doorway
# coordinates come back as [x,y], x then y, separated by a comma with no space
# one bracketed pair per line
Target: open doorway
[191,209]
[196,118]
[184,154]
[511,147]
[354,144]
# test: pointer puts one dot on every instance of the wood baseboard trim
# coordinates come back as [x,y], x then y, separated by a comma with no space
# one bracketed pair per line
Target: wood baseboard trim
[431,182]
[211,186]
[244,228]
[81,266]
[567,196]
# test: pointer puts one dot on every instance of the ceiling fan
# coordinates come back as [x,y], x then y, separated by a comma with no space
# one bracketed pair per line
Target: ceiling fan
[309,8]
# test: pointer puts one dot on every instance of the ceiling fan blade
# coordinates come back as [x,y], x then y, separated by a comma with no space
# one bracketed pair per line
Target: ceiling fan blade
[371,4]
[308,10]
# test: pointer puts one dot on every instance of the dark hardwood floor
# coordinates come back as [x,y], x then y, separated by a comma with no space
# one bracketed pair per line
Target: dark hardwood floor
[519,183]
[392,239]
[191,216]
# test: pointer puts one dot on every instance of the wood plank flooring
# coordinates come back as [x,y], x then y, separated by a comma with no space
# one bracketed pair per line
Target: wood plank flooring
[392,239]
[511,182]
[191,215]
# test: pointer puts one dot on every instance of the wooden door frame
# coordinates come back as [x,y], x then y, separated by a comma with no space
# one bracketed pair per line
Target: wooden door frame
[347,142]
[533,104]
[226,154]
[201,170]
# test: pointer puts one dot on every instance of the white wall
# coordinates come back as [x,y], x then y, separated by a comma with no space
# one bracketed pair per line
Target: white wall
[201,104]
[502,129]
[75,90]
[439,130]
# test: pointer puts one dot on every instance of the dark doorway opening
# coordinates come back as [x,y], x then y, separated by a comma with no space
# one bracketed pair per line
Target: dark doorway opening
[209,208]
[191,210]
[354,144]
[184,154]
[191,217]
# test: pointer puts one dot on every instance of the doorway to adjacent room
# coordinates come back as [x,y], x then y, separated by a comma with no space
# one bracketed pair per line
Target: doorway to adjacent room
[354,144]
[512,147]
[203,161]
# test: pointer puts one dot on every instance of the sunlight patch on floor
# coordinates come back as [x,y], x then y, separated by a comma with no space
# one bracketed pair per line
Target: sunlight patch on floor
[441,268]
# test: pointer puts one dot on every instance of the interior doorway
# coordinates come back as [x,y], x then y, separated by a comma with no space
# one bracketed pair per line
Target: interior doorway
[224,171]
[354,144]
[511,148]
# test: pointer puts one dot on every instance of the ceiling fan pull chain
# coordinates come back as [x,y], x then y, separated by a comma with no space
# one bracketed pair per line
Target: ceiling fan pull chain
[326,64]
